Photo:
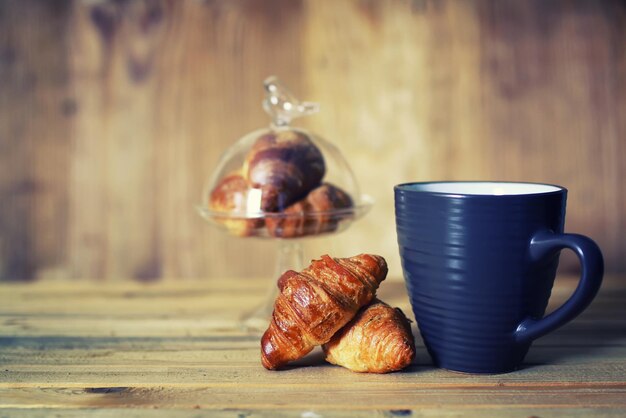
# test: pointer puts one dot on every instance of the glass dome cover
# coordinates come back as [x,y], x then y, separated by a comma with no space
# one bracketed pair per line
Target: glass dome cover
[281,181]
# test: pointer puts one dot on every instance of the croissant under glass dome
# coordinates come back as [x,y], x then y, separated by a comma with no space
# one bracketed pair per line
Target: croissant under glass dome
[281,181]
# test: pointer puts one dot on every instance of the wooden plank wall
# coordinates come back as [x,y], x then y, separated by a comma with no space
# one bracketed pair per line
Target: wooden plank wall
[113,113]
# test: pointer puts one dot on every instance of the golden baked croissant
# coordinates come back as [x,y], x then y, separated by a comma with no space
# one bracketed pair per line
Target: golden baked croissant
[377,340]
[285,165]
[229,196]
[302,218]
[316,303]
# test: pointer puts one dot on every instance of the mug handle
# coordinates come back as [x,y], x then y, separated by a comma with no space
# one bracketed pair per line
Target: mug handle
[547,243]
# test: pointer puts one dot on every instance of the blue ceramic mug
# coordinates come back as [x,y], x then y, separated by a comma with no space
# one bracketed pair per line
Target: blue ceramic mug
[479,261]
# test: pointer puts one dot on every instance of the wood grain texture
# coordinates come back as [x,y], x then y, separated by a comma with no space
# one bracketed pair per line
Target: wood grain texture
[423,412]
[113,115]
[175,348]
[35,111]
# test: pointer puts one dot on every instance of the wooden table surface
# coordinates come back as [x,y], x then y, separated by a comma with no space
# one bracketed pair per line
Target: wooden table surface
[174,349]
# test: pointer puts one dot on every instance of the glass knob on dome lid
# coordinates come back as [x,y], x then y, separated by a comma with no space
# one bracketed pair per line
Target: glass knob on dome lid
[282,105]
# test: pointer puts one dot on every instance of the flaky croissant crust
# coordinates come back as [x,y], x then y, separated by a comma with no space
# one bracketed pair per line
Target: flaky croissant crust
[285,165]
[228,197]
[313,213]
[377,340]
[315,303]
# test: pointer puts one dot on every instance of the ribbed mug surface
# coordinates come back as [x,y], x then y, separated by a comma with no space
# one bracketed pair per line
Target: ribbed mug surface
[468,272]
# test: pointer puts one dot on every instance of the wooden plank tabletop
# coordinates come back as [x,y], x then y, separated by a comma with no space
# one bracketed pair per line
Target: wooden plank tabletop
[174,349]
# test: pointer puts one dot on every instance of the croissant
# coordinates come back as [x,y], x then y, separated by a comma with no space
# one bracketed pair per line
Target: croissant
[307,217]
[285,165]
[377,340]
[229,196]
[314,304]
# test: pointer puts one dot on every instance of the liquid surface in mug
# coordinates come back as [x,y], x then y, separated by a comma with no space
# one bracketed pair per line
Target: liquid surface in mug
[482,188]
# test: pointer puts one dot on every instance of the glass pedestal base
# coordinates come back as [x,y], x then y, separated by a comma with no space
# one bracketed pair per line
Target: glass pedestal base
[288,257]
